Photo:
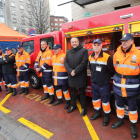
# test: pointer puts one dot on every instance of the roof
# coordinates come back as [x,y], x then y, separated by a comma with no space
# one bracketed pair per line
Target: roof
[8,34]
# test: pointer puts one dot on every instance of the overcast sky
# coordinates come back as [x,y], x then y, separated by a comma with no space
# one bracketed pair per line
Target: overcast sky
[64,10]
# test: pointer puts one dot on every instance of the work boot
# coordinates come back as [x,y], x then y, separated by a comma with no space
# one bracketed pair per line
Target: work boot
[96,115]
[106,120]
[26,90]
[6,88]
[67,105]
[14,92]
[46,96]
[118,123]
[10,91]
[83,112]
[52,99]
[59,101]
[72,109]
[134,133]
[0,88]
[22,91]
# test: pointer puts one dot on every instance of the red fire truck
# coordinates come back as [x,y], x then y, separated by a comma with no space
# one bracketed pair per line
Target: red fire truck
[108,27]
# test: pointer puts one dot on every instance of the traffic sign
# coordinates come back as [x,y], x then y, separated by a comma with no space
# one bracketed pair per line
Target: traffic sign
[31,31]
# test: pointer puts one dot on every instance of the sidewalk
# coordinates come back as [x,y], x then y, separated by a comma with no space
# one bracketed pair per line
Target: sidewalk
[13,130]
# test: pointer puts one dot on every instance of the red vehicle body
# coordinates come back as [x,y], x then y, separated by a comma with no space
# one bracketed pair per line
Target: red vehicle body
[108,27]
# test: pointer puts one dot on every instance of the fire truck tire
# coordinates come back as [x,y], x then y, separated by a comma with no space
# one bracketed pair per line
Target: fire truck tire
[34,80]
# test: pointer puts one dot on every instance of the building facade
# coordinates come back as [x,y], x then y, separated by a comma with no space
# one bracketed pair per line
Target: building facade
[56,22]
[17,15]
[101,7]
[2,12]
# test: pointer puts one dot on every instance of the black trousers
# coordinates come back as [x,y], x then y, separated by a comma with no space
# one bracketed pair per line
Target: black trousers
[82,96]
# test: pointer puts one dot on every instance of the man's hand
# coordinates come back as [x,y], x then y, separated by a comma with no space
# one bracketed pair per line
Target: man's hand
[37,69]
[73,73]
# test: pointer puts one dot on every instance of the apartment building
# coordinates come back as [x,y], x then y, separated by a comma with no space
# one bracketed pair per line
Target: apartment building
[56,22]
[2,12]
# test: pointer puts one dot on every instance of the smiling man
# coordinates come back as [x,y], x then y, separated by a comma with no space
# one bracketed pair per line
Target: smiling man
[126,81]
[101,66]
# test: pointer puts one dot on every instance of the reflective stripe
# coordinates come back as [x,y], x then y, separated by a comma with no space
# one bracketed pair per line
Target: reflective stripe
[120,108]
[60,77]
[44,85]
[65,92]
[0,56]
[97,108]
[28,59]
[58,90]
[51,93]
[126,86]
[43,67]
[133,112]
[107,111]
[22,70]
[47,70]
[98,62]
[105,104]
[20,61]
[59,97]
[50,87]
[68,99]
[96,100]
[120,116]
[43,58]
[45,92]
[14,85]
[36,63]
[133,121]
[127,66]
[4,59]
[48,58]
[21,82]
[25,66]
[57,64]
[27,82]
[9,85]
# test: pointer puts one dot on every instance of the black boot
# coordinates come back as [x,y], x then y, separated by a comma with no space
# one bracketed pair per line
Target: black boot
[26,90]
[10,91]
[46,96]
[118,123]
[52,99]
[72,109]
[83,112]
[106,120]
[6,88]
[96,115]
[134,133]
[67,105]
[14,92]
[0,88]
[59,101]
[22,91]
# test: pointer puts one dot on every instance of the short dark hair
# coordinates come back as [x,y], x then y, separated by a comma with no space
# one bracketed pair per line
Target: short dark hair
[74,37]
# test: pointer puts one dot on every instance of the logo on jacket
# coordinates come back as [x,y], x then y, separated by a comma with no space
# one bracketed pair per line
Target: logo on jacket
[134,57]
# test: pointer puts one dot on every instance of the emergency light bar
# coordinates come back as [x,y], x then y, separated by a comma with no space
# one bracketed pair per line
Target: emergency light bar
[126,16]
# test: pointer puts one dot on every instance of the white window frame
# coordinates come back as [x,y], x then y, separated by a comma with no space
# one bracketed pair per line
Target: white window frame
[21,7]
[13,4]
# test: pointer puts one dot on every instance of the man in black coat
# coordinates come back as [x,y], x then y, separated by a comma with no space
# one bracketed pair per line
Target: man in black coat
[76,61]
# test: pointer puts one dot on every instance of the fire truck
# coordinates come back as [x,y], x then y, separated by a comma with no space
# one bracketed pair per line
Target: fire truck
[108,27]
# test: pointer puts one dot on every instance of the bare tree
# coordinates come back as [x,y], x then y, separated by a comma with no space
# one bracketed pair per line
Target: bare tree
[36,16]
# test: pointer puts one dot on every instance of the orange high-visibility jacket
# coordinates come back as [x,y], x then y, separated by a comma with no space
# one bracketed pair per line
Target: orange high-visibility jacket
[22,63]
[60,75]
[44,62]
[127,67]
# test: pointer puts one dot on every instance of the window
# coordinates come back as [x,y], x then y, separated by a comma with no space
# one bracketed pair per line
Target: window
[28,46]
[56,24]
[49,40]
[30,16]
[60,28]
[30,23]
[28,2]
[21,7]
[14,20]
[13,4]
[51,23]
[16,29]
[1,12]
[23,30]
[56,28]
[52,28]
[55,19]
[13,12]
[51,19]
[22,14]
[61,19]
[60,24]
[2,19]
[21,0]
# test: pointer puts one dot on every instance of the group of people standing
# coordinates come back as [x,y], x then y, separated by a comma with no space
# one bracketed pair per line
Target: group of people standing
[60,71]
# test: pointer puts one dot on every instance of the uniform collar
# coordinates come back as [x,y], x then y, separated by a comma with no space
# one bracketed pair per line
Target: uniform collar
[100,55]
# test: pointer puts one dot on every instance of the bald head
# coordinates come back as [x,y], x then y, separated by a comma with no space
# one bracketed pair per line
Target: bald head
[74,42]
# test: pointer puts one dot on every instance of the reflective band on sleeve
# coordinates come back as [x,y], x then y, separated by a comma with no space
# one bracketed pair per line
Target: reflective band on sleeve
[43,58]
[98,62]
[57,64]
[43,67]
[28,59]
[20,61]
[127,66]
[55,77]
[22,70]
[48,58]
[47,70]
[126,86]
[25,66]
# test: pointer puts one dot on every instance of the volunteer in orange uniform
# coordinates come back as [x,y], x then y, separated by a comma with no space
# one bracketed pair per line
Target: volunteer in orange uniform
[22,65]
[101,66]
[60,76]
[126,82]
[43,65]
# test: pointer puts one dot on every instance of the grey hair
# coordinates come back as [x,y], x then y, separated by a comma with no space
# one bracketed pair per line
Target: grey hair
[44,41]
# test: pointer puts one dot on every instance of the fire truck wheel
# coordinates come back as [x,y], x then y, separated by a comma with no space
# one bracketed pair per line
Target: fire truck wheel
[114,105]
[34,80]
